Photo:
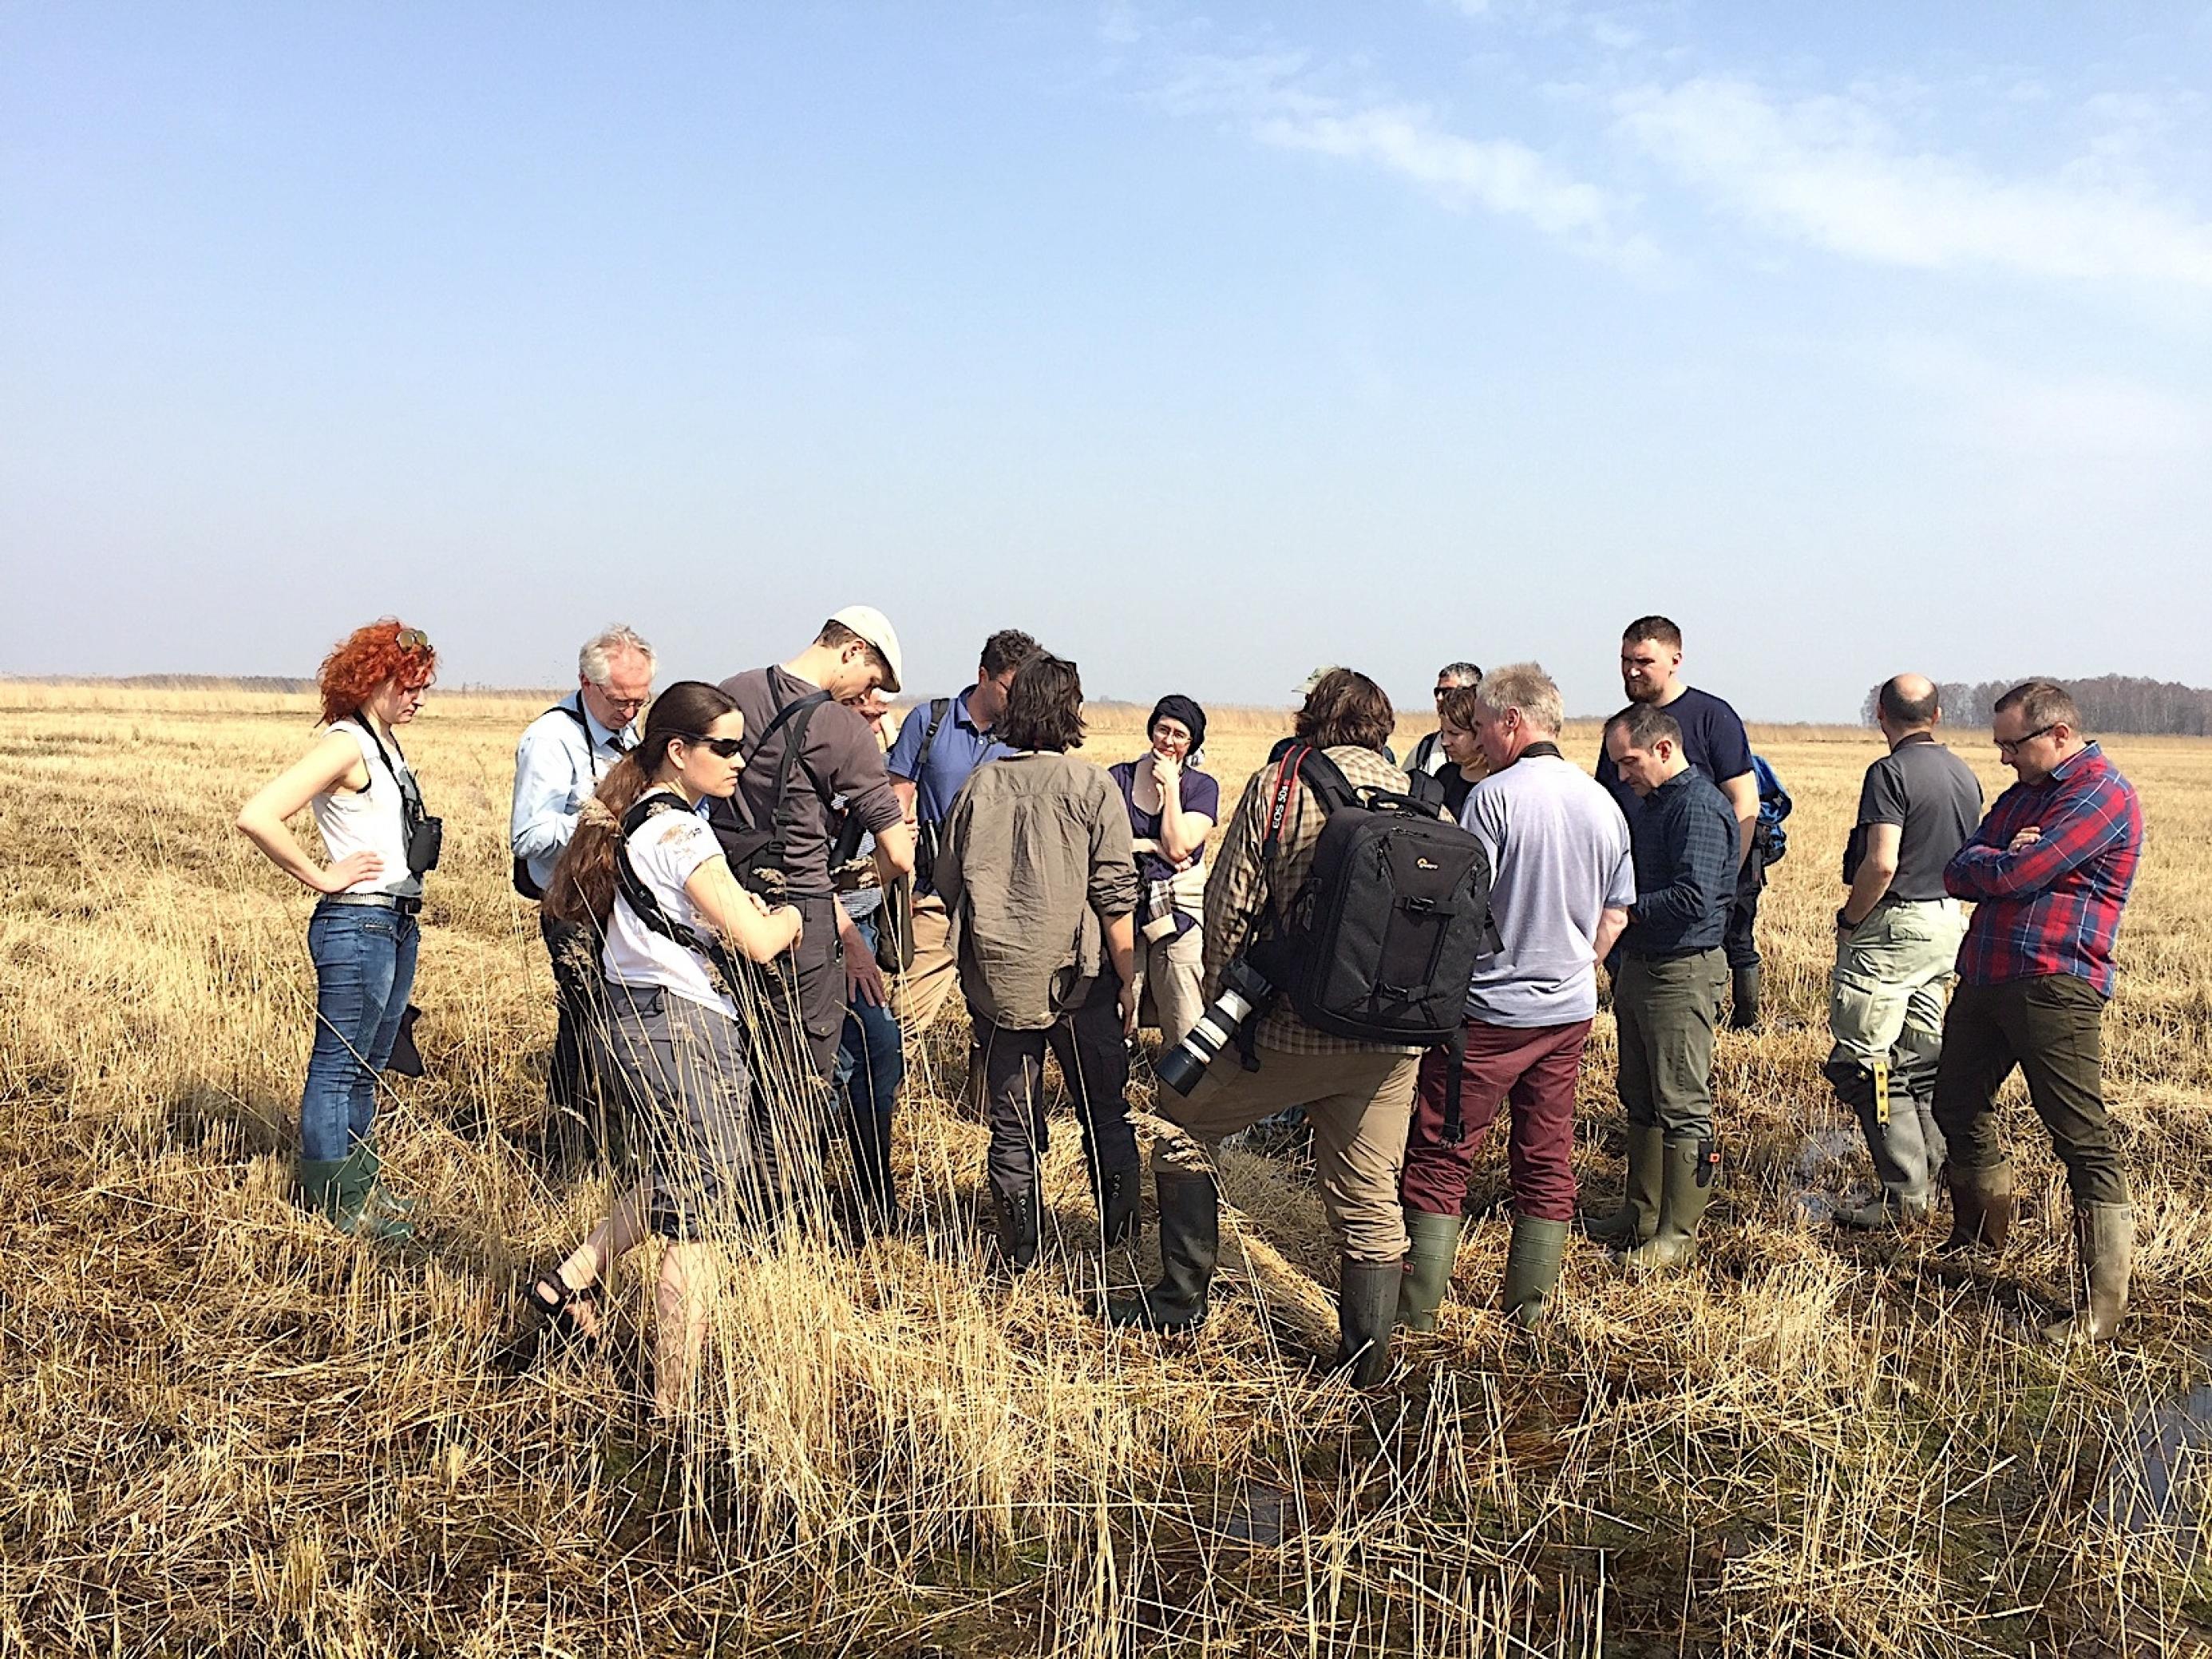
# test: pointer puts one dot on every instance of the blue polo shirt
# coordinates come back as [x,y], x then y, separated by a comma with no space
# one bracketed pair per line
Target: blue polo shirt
[960,748]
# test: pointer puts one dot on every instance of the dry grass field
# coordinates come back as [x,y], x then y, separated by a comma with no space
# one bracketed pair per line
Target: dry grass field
[224,1429]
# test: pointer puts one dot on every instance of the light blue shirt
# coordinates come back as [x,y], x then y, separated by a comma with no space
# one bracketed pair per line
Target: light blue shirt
[557,765]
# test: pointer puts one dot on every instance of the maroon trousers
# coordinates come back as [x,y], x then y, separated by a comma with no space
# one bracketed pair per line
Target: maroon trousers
[1535,1068]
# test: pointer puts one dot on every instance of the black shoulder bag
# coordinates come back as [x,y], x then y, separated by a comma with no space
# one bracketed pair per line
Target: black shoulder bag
[926,834]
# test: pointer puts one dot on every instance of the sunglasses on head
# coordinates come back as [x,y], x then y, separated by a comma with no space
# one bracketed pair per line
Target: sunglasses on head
[728,748]
[412,638]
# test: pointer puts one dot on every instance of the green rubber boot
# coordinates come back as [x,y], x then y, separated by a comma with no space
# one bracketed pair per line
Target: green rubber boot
[1432,1245]
[1532,1268]
[1685,1189]
[379,1200]
[343,1192]
[1637,1218]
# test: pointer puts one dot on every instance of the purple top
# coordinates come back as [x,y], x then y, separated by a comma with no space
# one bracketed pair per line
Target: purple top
[1202,793]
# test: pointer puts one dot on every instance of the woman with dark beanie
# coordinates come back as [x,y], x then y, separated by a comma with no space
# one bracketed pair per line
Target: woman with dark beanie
[645,873]
[1172,808]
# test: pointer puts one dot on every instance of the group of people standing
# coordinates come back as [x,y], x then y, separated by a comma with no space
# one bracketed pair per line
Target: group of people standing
[753,904]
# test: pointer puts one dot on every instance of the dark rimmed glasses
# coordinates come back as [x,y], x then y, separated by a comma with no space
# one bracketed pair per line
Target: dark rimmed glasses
[2014,746]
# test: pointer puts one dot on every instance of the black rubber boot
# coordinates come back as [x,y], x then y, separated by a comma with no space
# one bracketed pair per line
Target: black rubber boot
[1743,1008]
[1366,1309]
[1018,1227]
[1637,1218]
[1532,1268]
[1190,1248]
[1120,1207]
[1432,1245]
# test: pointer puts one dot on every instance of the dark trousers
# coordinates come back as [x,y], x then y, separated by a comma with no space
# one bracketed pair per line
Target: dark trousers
[1535,1069]
[871,1066]
[573,1089]
[819,961]
[2051,1028]
[1667,1008]
[1739,941]
[1093,1057]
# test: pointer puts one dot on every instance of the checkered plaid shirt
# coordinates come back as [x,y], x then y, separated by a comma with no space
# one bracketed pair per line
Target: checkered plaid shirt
[2053,907]
[1241,883]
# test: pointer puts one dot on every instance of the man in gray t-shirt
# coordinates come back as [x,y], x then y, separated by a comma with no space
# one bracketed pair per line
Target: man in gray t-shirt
[1561,884]
[1896,942]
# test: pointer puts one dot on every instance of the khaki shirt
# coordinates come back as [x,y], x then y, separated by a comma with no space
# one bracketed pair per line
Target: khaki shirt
[1035,860]
[1241,883]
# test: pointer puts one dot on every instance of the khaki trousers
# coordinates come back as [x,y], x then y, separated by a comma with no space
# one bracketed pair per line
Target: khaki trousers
[1174,978]
[1359,1103]
[919,994]
[1885,997]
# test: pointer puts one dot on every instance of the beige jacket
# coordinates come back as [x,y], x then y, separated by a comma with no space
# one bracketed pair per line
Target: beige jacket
[1034,861]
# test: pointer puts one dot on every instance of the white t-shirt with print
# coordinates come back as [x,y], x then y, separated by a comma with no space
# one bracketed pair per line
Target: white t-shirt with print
[667,851]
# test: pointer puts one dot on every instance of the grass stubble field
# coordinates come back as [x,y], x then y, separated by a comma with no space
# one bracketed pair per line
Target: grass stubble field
[224,1429]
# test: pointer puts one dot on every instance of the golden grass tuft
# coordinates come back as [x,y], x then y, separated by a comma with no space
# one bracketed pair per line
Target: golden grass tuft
[224,1429]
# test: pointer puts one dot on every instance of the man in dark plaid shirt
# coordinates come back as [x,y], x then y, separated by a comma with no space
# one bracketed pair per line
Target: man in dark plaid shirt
[1684,840]
[2049,871]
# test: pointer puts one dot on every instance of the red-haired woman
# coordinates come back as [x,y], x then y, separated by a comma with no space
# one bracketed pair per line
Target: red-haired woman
[645,872]
[363,934]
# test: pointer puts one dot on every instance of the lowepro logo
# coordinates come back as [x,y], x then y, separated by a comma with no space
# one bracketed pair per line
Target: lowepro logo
[1421,863]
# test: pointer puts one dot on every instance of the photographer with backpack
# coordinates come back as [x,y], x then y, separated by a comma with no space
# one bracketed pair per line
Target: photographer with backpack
[646,873]
[1342,922]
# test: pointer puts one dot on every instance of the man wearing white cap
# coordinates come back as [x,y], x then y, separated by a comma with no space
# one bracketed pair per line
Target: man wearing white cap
[838,758]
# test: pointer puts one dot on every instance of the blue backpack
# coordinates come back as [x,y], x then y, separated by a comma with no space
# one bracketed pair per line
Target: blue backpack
[1773,807]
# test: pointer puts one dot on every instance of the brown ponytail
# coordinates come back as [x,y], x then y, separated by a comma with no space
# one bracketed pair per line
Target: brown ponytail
[582,891]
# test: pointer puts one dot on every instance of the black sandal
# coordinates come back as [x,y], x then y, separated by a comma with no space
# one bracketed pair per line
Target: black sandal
[553,1303]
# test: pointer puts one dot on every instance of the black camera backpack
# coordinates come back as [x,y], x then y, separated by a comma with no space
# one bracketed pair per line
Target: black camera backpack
[1380,939]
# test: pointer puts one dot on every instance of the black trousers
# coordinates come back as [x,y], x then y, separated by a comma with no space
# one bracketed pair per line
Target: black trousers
[573,1088]
[1740,943]
[2051,1028]
[1088,1045]
[820,961]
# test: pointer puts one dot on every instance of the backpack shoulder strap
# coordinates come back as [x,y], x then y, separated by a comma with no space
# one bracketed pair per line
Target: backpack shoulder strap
[939,708]
[640,897]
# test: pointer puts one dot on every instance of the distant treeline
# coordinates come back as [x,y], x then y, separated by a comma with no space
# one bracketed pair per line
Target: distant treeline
[2110,703]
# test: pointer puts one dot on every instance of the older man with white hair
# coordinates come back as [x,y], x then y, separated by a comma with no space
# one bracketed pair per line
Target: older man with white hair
[563,756]
[1561,886]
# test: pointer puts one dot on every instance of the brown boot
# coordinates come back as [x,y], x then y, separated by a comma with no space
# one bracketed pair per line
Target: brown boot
[1983,1206]
[2105,1247]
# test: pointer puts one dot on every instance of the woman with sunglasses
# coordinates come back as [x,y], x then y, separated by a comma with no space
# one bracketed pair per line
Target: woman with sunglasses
[1172,808]
[645,872]
[363,935]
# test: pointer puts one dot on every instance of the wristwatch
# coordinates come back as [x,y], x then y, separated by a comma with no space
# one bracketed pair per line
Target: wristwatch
[1845,921]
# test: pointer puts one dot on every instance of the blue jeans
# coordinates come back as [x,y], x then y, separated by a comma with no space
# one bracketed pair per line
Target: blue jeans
[871,1066]
[364,958]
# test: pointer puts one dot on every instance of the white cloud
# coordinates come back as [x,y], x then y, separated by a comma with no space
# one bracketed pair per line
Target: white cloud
[1275,97]
[1832,172]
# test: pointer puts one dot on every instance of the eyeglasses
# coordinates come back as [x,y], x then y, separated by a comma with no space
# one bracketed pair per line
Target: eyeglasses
[632,704]
[727,747]
[2014,746]
[412,638]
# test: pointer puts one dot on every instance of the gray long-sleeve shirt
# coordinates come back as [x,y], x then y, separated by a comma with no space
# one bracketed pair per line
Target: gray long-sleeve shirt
[1035,860]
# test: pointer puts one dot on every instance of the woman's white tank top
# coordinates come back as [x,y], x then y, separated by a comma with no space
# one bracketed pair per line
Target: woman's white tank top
[369,820]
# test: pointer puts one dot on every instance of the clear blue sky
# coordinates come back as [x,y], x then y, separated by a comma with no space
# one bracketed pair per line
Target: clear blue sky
[1206,346]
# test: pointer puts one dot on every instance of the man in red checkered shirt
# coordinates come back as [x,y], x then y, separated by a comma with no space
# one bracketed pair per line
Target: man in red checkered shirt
[2049,873]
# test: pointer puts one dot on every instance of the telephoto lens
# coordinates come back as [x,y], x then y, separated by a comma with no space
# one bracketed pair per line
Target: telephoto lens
[1243,989]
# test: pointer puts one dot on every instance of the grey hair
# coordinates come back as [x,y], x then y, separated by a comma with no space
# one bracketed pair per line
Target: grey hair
[1465,672]
[617,640]
[1527,686]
